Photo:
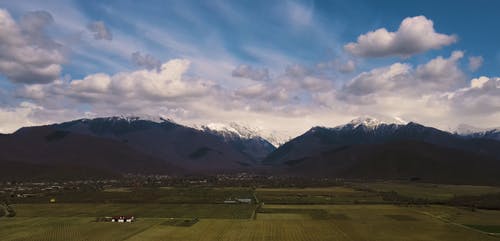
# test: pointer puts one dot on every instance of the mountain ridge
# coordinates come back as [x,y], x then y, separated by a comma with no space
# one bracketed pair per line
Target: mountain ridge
[370,149]
[469,131]
[379,149]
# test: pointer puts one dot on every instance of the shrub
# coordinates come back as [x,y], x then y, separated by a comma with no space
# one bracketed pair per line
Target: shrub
[10,212]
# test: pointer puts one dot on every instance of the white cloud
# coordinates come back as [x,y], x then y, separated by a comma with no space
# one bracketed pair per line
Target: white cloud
[347,67]
[481,99]
[397,75]
[441,73]
[342,66]
[251,91]
[100,30]
[204,89]
[475,62]
[297,71]
[415,35]
[166,84]
[395,90]
[15,117]
[95,83]
[260,96]
[145,60]
[249,72]
[27,55]
[479,82]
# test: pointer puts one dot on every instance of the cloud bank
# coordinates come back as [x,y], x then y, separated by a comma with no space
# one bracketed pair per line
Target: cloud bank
[414,35]
[277,93]
[27,54]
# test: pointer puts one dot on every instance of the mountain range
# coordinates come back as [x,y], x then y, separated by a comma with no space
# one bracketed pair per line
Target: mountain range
[364,148]
[368,148]
[474,132]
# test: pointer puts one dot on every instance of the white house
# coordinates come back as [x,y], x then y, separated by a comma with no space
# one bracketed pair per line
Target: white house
[123,219]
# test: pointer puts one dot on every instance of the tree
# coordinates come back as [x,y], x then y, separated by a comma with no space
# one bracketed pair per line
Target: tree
[10,212]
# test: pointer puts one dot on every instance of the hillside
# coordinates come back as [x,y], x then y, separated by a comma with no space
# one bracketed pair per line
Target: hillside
[370,149]
[400,160]
[192,149]
[320,139]
[45,150]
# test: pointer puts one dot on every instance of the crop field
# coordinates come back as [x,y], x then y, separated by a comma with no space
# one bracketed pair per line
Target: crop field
[231,211]
[433,192]
[148,195]
[278,222]
[486,220]
[324,195]
[251,222]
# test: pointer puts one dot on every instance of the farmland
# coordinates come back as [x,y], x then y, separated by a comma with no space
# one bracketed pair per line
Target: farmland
[323,195]
[295,214]
[432,192]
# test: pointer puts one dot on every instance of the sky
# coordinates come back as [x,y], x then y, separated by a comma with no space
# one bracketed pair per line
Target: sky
[280,67]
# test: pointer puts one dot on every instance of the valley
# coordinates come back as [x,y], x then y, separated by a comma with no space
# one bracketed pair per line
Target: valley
[120,178]
[350,211]
[291,120]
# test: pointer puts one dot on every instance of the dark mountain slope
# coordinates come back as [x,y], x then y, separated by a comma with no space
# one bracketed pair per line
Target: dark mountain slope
[400,160]
[182,146]
[21,171]
[46,146]
[243,139]
[320,139]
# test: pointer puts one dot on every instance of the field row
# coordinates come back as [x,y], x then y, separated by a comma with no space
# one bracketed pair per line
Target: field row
[228,211]
[275,222]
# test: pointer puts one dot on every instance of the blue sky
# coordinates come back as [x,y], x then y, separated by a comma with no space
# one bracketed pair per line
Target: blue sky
[254,62]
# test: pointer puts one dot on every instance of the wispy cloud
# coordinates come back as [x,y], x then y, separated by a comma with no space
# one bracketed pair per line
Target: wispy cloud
[265,63]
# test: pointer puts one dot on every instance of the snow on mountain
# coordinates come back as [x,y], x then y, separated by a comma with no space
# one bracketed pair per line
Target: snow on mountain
[231,130]
[471,131]
[371,123]
[236,130]
[243,138]
[132,118]
[129,118]
[464,129]
[277,139]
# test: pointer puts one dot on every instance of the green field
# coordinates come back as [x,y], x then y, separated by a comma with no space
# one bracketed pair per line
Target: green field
[432,192]
[293,222]
[238,222]
[147,195]
[231,211]
[323,195]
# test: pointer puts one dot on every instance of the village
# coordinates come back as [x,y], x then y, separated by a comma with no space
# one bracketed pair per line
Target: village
[22,190]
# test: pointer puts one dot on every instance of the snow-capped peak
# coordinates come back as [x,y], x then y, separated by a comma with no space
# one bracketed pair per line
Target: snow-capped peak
[464,129]
[365,121]
[371,123]
[132,118]
[231,129]
[475,132]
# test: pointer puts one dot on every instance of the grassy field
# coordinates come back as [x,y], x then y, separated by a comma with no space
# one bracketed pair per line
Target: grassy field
[232,211]
[147,195]
[317,221]
[324,195]
[432,192]
[388,222]
[293,222]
